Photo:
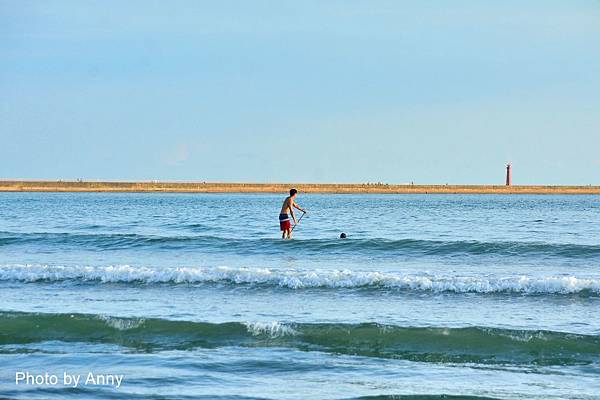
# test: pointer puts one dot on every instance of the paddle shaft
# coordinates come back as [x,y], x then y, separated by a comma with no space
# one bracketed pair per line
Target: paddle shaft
[299,219]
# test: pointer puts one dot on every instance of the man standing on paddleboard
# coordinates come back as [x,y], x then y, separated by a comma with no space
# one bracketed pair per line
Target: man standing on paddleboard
[284,220]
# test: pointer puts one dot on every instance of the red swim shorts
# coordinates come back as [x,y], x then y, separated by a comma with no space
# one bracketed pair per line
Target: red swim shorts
[284,222]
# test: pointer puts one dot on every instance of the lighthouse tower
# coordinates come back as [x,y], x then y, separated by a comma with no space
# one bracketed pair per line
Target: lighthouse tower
[508,175]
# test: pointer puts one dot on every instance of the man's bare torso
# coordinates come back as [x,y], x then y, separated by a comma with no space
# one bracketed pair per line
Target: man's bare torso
[286,208]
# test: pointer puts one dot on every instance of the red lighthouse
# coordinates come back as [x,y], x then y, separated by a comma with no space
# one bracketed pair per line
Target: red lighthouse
[508,175]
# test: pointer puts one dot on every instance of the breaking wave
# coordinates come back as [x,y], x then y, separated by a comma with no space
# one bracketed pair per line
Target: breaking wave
[304,279]
[424,344]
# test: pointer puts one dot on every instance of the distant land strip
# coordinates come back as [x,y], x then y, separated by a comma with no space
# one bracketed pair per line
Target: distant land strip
[213,187]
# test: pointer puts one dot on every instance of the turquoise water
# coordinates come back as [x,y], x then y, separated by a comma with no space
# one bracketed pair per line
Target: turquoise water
[194,296]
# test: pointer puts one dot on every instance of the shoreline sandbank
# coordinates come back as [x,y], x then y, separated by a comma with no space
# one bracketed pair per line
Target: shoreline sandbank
[221,187]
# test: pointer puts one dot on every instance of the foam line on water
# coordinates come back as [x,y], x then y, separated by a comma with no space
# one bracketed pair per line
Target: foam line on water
[304,279]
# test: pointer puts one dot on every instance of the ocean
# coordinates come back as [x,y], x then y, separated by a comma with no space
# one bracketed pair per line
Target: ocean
[187,296]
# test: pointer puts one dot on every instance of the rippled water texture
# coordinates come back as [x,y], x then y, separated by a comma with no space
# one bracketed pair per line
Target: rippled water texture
[195,296]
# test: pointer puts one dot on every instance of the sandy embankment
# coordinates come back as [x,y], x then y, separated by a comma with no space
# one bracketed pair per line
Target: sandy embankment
[212,187]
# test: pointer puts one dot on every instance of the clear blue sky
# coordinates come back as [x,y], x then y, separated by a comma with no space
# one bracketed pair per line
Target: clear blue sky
[308,91]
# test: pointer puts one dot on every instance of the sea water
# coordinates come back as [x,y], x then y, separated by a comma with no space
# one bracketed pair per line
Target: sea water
[196,296]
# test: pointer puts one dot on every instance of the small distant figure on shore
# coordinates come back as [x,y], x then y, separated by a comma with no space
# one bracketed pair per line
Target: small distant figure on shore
[343,235]
[284,219]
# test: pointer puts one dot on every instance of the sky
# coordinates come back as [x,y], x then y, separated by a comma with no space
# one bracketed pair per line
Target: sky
[301,91]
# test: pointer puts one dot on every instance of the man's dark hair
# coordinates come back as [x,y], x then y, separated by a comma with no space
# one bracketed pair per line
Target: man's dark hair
[293,192]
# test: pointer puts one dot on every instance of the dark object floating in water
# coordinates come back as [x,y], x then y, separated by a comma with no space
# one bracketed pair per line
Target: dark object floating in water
[343,236]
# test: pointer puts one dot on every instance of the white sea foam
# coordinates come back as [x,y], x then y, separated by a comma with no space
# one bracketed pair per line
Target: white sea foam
[273,329]
[300,279]
[122,324]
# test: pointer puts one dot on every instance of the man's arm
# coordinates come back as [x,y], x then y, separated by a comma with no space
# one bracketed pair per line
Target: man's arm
[293,215]
[298,207]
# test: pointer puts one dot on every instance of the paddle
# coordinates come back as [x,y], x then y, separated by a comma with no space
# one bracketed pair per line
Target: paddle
[299,219]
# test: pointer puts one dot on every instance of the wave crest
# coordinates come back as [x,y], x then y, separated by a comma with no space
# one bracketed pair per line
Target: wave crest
[362,246]
[424,344]
[304,279]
